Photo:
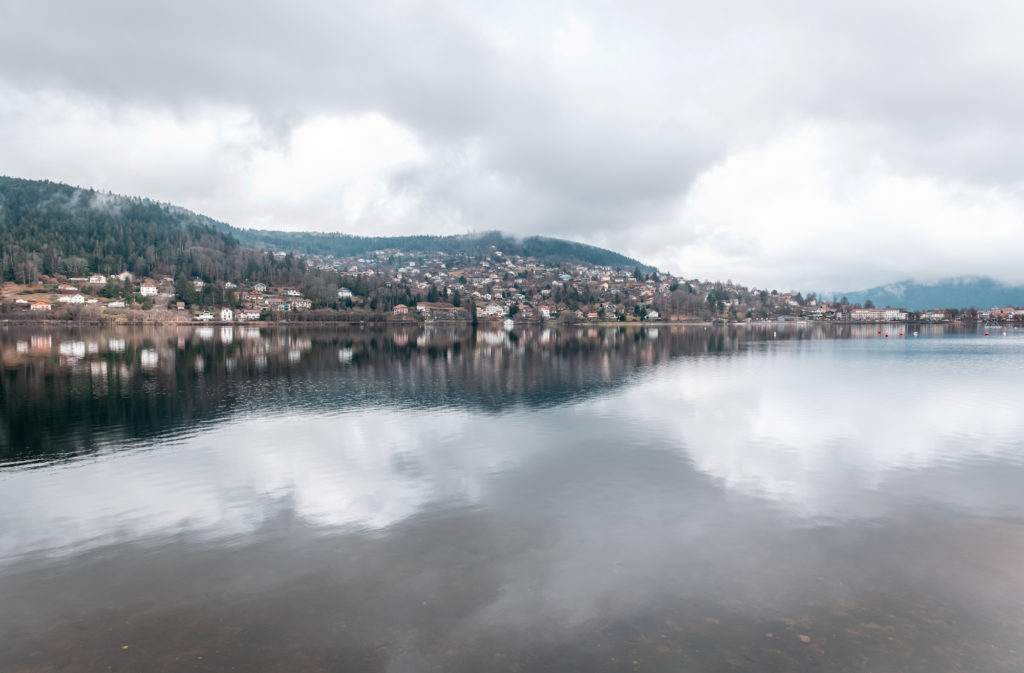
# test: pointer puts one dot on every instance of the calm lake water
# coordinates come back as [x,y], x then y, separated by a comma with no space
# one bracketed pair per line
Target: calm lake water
[687,499]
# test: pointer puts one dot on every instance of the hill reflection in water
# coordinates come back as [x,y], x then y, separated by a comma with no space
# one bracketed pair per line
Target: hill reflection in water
[586,499]
[71,391]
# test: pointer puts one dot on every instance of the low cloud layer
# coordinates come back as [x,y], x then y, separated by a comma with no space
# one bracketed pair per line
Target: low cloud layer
[801,145]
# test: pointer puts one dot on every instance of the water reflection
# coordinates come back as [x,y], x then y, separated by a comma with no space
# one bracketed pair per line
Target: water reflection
[136,383]
[551,500]
[818,427]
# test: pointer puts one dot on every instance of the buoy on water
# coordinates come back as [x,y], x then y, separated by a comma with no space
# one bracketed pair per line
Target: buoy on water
[986,333]
[915,333]
[879,331]
[886,335]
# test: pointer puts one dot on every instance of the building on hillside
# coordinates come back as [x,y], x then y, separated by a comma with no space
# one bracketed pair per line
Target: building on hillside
[205,316]
[65,287]
[73,299]
[148,290]
[227,315]
[998,313]
[433,310]
[97,279]
[878,314]
[344,293]
[40,306]
[400,309]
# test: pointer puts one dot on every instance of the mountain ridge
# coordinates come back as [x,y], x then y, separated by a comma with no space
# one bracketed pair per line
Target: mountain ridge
[41,201]
[976,291]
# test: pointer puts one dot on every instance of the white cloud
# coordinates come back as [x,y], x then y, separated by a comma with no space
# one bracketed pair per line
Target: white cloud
[725,139]
[821,208]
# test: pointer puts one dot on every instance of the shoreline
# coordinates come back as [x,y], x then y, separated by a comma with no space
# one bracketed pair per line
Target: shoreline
[40,320]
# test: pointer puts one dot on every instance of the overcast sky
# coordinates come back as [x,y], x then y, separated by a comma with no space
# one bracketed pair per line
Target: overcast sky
[797,145]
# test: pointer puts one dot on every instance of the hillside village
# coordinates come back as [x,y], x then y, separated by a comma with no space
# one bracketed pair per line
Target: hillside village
[395,286]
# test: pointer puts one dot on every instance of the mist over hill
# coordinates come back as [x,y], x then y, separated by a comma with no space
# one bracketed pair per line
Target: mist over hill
[961,292]
[54,228]
[543,249]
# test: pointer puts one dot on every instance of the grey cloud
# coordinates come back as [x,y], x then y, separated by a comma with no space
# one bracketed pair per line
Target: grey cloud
[584,141]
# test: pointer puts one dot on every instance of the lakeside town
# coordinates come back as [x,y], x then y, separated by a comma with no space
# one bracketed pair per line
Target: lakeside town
[402,287]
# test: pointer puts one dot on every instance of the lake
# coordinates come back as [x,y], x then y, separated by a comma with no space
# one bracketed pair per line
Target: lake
[775,498]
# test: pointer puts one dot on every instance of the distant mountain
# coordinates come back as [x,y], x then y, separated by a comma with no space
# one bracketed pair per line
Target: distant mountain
[962,292]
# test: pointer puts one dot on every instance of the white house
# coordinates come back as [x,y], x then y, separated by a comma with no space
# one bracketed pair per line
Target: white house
[653,315]
[494,309]
[545,311]
[205,316]
[227,314]
[259,287]
[878,314]
[148,290]
[344,293]
[39,306]
[73,299]
[97,279]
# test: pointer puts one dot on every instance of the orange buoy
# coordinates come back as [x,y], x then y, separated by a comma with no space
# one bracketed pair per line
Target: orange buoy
[986,333]
[886,335]
[879,331]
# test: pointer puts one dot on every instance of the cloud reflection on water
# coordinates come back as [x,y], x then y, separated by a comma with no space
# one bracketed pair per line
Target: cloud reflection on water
[821,433]
[702,501]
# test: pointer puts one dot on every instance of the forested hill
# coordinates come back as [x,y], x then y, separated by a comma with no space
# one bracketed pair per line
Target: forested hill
[542,248]
[53,228]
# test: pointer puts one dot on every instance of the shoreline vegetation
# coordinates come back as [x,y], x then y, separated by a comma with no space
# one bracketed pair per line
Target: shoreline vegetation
[387,321]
